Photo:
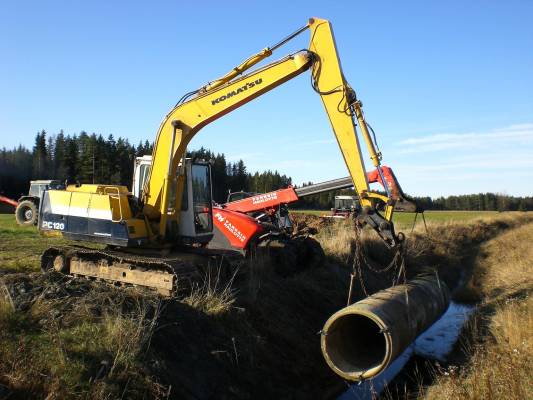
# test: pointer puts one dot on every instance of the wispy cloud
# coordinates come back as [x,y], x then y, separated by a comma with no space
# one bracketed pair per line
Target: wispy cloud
[491,160]
[511,135]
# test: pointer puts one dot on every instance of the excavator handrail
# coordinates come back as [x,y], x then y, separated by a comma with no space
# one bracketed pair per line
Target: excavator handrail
[108,190]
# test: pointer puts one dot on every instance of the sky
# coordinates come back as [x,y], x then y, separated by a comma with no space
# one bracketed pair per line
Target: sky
[447,86]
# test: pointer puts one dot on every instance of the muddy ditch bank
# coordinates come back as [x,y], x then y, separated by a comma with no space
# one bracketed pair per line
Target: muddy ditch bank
[70,338]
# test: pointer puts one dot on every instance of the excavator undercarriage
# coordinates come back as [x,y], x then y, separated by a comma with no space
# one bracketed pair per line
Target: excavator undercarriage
[167,272]
[170,273]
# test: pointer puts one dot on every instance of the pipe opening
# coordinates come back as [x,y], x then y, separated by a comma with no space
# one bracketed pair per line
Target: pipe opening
[354,344]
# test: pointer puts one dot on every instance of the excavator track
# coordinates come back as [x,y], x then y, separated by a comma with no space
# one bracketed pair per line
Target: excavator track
[177,272]
[168,275]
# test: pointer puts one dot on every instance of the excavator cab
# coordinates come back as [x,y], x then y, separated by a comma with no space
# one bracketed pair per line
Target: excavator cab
[196,219]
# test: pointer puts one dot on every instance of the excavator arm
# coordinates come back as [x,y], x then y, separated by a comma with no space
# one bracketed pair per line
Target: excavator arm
[344,112]
[231,91]
[185,120]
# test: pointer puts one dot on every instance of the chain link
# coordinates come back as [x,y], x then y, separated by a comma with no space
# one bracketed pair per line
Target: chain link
[397,263]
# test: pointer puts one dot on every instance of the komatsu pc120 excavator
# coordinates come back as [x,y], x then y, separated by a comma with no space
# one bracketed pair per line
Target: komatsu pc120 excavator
[160,237]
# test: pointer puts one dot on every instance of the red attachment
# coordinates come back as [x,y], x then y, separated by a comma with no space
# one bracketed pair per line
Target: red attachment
[7,200]
[392,183]
[402,202]
[263,201]
[271,200]
[237,227]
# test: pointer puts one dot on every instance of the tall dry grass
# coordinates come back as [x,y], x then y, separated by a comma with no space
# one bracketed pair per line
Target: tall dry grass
[213,296]
[499,344]
[446,247]
[500,365]
[89,347]
[505,264]
[336,240]
[489,261]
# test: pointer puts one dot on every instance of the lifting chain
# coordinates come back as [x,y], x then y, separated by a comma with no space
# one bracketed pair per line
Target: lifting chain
[360,261]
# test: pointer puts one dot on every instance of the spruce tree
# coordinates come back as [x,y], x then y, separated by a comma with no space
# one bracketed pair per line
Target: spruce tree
[39,156]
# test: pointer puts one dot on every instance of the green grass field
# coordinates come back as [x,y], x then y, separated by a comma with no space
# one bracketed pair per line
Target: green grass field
[21,246]
[405,220]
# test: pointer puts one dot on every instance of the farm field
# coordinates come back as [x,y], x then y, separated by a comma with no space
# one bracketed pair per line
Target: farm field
[21,246]
[405,220]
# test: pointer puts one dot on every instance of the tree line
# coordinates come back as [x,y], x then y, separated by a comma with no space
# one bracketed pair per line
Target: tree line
[477,202]
[467,202]
[91,158]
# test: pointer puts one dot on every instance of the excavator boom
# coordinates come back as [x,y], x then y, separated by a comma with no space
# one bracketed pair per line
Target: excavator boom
[231,91]
[186,119]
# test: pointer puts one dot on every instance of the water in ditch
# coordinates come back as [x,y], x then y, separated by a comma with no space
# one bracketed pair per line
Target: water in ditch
[435,343]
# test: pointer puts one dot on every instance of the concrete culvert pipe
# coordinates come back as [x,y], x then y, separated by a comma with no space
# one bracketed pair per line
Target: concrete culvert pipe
[361,340]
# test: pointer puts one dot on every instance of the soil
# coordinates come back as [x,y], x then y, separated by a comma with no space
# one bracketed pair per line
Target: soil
[302,221]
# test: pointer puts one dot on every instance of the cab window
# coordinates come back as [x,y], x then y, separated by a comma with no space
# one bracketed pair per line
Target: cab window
[201,194]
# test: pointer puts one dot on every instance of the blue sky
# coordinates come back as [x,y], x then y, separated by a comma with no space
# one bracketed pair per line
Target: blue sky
[448,86]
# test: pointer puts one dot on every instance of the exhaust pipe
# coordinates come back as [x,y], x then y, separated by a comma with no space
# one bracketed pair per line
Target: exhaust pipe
[361,340]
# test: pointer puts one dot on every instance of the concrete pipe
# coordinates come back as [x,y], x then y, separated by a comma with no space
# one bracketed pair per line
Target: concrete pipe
[361,340]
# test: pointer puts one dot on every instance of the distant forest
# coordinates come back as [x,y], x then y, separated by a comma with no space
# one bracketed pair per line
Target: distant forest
[91,158]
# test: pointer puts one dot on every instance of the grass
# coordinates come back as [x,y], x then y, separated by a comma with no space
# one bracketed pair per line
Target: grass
[447,246]
[74,339]
[498,343]
[76,347]
[21,246]
[505,263]
[211,299]
[405,220]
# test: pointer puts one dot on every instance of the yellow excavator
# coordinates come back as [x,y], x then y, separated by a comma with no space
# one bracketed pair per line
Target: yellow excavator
[160,237]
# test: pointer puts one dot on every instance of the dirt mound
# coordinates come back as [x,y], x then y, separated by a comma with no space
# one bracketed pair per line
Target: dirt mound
[302,221]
